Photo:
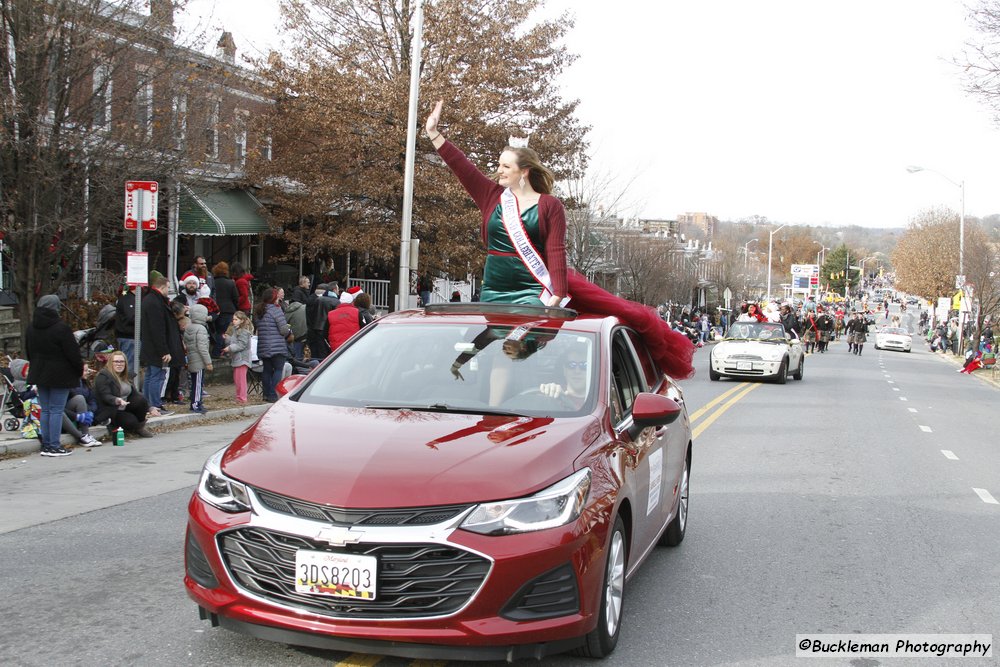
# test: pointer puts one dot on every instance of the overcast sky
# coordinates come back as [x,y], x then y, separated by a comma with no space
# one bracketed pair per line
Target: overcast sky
[799,111]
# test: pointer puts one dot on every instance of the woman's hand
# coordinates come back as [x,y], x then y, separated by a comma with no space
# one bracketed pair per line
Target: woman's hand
[554,300]
[432,120]
[431,126]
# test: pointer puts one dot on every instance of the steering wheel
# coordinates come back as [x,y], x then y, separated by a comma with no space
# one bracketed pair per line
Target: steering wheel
[562,399]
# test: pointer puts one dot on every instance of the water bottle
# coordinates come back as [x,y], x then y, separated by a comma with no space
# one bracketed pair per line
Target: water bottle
[119,437]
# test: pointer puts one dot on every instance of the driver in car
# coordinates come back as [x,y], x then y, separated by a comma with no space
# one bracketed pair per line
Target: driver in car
[574,369]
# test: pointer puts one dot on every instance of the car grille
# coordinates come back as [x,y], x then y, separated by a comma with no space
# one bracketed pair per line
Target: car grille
[745,357]
[742,371]
[412,516]
[414,580]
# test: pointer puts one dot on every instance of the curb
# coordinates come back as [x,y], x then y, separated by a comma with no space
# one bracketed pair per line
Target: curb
[22,447]
[952,360]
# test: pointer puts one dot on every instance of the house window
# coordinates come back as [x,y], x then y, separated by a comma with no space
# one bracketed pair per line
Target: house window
[212,131]
[240,137]
[102,92]
[144,104]
[180,121]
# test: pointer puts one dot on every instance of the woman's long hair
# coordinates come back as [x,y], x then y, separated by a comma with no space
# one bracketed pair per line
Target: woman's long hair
[123,376]
[269,295]
[542,180]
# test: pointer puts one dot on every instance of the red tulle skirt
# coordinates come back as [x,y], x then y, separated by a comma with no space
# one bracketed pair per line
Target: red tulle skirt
[671,350]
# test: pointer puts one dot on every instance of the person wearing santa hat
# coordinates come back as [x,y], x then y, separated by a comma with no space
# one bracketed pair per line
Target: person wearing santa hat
[349,317]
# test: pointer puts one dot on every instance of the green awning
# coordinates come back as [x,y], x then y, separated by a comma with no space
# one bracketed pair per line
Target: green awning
[214,212]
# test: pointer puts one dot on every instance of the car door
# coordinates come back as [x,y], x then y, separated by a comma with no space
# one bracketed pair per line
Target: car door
[645,457]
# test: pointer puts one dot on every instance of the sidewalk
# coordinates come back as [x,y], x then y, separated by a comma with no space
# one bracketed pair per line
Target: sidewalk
[987,375]
[220,403]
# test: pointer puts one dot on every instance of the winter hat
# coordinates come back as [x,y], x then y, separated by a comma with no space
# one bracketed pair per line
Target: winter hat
[356,290]
[191,278]
[346,297]
[50,301]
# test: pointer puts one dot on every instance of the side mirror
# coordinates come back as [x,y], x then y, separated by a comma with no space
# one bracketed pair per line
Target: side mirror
[289,383]
[652,410]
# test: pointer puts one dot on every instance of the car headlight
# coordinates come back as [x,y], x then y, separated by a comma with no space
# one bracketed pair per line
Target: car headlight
[218,490]
[555,506]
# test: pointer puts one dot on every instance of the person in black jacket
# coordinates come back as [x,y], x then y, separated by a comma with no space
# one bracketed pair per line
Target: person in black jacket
[55,367]
[228,300]
[118,399]
[125,326]
[158,326]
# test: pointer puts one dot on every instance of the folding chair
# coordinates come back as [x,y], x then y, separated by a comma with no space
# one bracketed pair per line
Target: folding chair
[255,373]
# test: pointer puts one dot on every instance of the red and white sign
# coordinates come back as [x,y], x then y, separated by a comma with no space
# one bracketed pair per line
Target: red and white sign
[137,268]
[141,198]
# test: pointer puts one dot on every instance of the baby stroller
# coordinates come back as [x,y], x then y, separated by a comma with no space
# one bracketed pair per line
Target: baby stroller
[12,400]
[100,337]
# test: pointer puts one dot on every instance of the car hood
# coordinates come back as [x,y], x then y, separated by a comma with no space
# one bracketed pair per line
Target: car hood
[355,457]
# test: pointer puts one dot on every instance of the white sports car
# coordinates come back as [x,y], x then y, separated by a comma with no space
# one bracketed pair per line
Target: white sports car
[757,349]
[893,338]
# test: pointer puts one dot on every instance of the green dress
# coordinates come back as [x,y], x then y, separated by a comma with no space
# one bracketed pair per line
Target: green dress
[505,278]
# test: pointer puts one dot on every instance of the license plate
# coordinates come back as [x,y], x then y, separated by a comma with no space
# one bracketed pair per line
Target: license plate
[744,366]
[335,575]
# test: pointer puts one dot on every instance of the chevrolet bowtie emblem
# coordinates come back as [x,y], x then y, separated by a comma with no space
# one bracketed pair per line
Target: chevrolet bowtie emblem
[338,536]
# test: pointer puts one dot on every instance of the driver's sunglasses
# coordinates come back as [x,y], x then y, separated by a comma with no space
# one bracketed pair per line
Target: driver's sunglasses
[576,365]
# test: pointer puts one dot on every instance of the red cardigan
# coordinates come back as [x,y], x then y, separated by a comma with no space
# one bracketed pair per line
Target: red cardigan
[486,193]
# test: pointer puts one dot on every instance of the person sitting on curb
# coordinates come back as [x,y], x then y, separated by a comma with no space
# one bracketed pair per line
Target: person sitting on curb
[118,399]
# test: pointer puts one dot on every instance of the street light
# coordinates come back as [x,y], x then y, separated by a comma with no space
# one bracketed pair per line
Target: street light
[770,248]
[819,265]
[746,252]
[961,241]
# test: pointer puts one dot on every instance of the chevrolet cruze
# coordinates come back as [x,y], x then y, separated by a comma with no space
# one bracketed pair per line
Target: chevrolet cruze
[467,481]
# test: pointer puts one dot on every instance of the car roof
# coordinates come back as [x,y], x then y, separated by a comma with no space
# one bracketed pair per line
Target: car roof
[501,314]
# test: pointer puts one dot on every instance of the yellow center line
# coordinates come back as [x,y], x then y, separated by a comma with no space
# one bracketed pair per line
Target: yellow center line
[694,416]
[695,432]
[359,660]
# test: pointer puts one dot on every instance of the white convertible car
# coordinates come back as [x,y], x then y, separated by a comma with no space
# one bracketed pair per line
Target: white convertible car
[757,349]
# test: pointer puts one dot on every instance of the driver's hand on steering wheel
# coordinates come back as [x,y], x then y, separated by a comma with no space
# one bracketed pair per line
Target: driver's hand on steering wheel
[552,389]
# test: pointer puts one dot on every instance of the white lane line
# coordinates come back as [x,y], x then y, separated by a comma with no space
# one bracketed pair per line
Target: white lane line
[948,454]
[891,382]
[925,429]
[903,398]
[912,409]
[985,496]
[895,388]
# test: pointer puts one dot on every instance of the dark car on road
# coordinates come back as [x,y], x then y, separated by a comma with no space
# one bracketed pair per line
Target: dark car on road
[466,481]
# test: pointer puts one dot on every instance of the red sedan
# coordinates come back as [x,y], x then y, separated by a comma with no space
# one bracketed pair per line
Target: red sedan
[468,481]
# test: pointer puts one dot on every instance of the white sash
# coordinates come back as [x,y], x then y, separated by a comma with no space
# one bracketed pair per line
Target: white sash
[522,244]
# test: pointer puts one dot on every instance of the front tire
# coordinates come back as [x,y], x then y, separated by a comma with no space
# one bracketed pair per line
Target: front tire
[601,641]
[798,372]
[712,375]
[782,376]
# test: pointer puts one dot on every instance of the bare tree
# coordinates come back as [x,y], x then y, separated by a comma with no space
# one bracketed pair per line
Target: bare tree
[78,116]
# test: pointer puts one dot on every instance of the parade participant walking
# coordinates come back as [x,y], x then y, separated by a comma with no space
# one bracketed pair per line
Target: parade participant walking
[272,344]
[824,326]
[55,367]
[524,229]
[857,330]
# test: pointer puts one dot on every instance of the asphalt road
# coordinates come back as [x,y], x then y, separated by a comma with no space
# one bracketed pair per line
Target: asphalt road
[825,505]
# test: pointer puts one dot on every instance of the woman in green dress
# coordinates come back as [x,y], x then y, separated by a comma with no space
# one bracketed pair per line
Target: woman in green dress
[523,225]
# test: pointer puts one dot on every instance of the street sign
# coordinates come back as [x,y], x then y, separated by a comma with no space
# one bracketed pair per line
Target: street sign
[727,295]
[137,268]
[959,281]
[141,199]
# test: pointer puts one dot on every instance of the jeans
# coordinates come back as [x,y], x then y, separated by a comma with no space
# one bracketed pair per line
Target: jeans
[52,401]
[127,345]
[152,388]
[299,350]
[273,369]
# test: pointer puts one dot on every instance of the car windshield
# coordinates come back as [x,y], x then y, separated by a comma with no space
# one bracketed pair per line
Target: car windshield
[896,331]
[756,331]
[484,368]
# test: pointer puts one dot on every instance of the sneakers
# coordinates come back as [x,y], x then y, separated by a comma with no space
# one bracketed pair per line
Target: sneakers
[56,451]
[90,441]
[164,412]
[144,433]
[201,411]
